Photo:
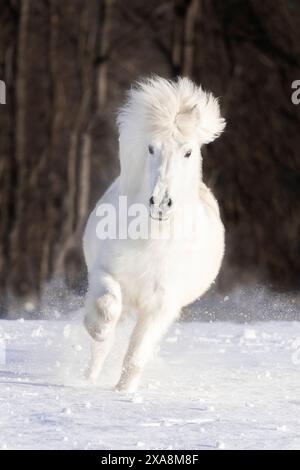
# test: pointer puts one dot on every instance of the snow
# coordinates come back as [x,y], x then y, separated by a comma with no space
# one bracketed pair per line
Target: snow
[214,385]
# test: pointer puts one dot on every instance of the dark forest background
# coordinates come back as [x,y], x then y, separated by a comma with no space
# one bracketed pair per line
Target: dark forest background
[67,64]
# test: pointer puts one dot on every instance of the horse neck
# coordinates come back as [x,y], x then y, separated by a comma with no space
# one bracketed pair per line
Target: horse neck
[132,177]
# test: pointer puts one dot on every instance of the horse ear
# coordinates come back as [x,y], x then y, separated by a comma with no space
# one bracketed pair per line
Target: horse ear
[210,122]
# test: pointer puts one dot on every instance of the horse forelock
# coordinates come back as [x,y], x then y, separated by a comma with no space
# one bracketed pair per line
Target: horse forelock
[165,109]
[162,108]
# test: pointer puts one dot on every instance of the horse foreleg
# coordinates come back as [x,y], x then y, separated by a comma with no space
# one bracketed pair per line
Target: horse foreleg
[146,335]
[99,352]
[103,310]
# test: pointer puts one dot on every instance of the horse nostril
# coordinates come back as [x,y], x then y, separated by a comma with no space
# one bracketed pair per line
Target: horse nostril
[170,202]
[151,200]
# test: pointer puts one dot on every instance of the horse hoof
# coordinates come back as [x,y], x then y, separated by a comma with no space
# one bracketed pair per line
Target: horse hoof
[122,388]
[126,388]
[90,377]
[129,381]
[97,332]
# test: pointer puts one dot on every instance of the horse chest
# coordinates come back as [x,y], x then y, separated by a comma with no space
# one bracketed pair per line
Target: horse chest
[150,270]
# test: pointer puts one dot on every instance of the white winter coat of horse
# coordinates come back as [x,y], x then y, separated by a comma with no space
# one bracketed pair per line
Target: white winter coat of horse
[162,127]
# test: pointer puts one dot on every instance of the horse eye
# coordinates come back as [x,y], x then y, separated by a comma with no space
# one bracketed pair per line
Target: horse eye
[151,149]
[188,154]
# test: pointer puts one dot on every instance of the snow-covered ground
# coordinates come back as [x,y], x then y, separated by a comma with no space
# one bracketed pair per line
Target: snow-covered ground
[212,385]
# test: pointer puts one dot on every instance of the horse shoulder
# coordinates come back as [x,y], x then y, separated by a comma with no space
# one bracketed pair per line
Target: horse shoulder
[208,199]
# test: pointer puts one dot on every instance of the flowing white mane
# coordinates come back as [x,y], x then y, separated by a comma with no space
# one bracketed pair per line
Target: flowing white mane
[166,109]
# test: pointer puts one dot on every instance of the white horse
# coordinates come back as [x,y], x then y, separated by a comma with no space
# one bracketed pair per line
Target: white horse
[162,128]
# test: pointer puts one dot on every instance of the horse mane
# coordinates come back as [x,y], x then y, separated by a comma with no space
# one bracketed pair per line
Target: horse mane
[163,108]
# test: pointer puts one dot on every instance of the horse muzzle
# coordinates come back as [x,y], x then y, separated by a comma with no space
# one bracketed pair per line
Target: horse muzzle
[160,211]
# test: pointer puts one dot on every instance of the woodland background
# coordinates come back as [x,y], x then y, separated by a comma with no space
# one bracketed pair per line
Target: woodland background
[67,64]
